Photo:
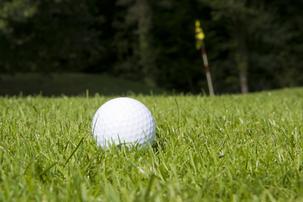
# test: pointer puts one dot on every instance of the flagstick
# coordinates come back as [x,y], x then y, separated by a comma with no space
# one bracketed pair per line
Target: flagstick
[207,72]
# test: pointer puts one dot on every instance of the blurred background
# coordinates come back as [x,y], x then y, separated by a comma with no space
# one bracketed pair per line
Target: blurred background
[109,47]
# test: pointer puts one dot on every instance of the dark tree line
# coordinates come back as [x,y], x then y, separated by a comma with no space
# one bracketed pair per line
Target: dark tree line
[252,45]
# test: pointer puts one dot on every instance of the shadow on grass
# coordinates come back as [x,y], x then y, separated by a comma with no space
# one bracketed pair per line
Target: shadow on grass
[71,84]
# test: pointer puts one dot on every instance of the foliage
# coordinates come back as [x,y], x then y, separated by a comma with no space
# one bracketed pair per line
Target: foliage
[15,11]
[256,42]
[59,35]
[254,39]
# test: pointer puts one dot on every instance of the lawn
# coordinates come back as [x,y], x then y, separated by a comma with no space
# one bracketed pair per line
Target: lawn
[70,84]
[226,148]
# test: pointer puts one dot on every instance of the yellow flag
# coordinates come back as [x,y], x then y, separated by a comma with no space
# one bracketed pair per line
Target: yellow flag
[200,36]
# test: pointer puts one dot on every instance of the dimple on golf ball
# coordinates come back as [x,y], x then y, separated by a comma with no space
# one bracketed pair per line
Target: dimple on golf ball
[123,121]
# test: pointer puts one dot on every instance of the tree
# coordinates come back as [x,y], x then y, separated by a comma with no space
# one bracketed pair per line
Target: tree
[289,13]
[178,63]
[255,42]
[15,11]
[246,24]
[57,36]
[133,39]
[12,13]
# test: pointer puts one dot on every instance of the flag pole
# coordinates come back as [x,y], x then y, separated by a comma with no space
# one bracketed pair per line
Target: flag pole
[201,46]
[207,71]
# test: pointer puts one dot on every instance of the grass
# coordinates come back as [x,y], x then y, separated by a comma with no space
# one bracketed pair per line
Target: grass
[227,148]
[70,84]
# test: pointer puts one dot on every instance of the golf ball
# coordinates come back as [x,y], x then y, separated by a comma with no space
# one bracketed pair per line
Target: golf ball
[123,121]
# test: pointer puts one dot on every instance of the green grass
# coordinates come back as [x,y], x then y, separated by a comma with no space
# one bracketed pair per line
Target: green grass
[228,148]
[70,84]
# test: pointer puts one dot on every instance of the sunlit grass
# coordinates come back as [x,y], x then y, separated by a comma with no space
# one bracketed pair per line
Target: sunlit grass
[207,149]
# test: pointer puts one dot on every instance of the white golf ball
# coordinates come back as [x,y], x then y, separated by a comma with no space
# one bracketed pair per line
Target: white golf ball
[123,121]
